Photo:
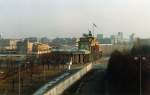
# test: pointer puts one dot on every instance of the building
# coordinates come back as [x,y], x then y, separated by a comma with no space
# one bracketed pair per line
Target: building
[88,50]
[120,37]
[24,47]
[64,56]
[32,39]
[132,38]
[100,36]
[44,40]
[40,48]
[86,42]
[89,43]
[8,44]
[103,40]
[114,39]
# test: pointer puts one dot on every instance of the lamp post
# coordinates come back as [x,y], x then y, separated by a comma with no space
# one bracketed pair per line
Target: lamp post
[140,58]
[44,71]
[19,86]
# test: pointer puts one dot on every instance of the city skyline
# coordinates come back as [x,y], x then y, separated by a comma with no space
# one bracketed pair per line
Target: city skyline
[65,18]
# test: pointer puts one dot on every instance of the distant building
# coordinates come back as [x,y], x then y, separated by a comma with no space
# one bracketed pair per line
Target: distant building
[120,37]
[85,42]
[132,38]
[103,40]
[117,39]
[32,39]
[66,41]
[24,47]
[100,36]
[64,56]
[39,48]
[113,39]
[44,40]
[88,42]
[88,49]
[8,44]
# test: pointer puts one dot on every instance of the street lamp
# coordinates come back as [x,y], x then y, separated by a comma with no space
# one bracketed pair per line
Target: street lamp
[140,58]
[19,86]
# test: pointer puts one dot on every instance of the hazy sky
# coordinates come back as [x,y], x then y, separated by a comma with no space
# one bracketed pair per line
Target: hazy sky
[63,18]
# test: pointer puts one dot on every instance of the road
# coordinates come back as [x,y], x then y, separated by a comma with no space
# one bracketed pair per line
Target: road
[93,83]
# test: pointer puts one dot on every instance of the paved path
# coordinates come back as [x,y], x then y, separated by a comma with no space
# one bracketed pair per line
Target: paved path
[94,84]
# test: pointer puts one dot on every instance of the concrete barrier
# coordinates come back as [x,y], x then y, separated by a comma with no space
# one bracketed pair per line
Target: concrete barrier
[59,88]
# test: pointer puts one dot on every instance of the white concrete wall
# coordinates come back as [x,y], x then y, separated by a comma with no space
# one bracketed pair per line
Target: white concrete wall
[59,88]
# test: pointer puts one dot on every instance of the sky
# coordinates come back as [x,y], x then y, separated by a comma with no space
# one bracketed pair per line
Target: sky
[72,18]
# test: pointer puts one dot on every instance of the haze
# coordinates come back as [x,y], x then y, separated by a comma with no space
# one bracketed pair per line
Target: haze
[71,18]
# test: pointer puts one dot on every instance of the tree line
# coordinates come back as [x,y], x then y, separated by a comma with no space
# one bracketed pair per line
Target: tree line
[128,71]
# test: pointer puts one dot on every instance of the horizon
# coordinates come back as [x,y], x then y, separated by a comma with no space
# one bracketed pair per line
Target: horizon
[51,38]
